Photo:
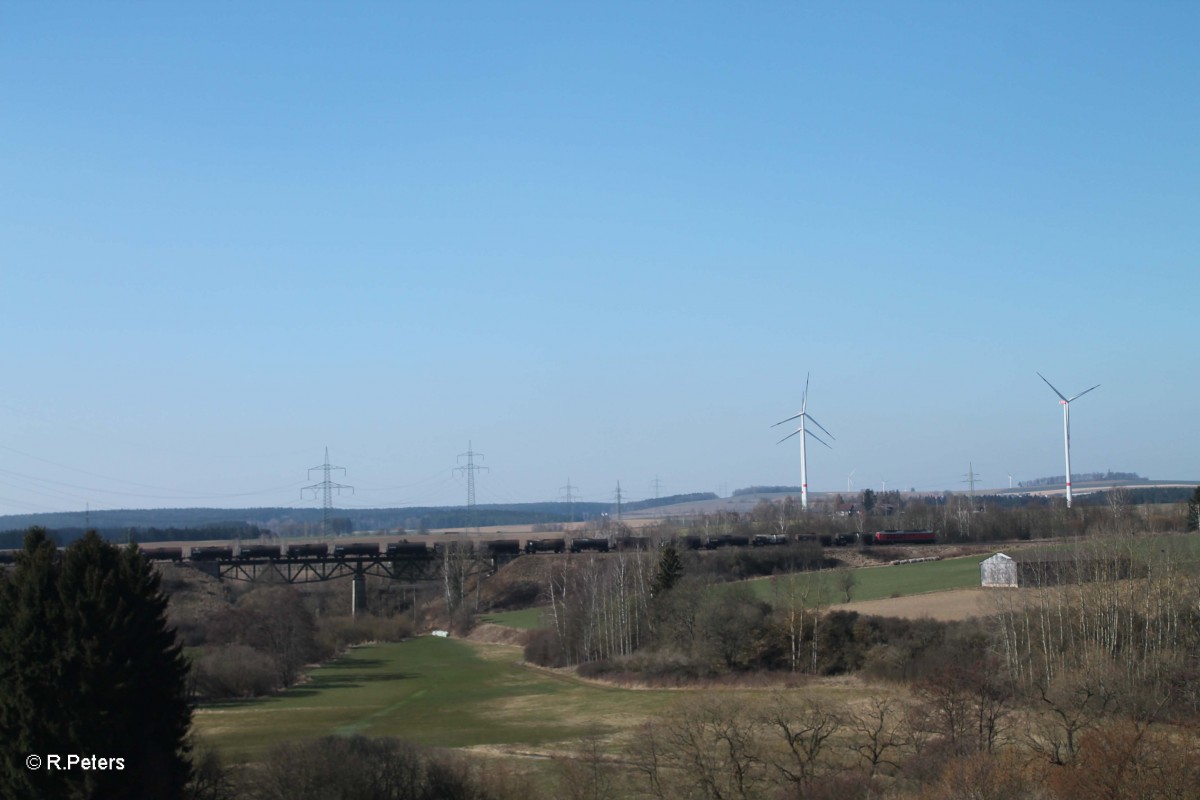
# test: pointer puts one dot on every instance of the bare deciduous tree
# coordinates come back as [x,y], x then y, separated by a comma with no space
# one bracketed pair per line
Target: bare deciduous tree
[707,747]
[880,733]
[804,730]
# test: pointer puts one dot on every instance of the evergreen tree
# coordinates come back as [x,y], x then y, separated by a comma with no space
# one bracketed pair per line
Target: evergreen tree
[670,570]
[90,668]
[29,611]
[1193,518]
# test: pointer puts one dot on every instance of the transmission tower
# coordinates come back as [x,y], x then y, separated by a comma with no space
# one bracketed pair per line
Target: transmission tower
[470,469]
[970,480]
[568,493]
[326,488]
[657,483]
[618,501]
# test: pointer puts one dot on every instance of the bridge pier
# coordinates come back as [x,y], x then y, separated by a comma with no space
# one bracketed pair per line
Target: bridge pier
[358,592]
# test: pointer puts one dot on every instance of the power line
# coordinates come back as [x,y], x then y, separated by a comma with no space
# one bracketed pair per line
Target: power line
[326,488]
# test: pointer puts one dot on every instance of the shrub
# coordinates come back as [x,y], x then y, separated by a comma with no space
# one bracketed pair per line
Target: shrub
[595,669]
[358,768]
[234,670]
[514,595]
[545,649]
[335,634]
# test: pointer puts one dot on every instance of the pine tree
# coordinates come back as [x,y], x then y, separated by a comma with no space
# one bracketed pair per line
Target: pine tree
[29,612]
[94,671]
[670,570]
[1193,518]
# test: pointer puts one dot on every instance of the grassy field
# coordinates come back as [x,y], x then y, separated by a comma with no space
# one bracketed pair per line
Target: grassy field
[449,693]
[525,619]
[877,583]
[432,691]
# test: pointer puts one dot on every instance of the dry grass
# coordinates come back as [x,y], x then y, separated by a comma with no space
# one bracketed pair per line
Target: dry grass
[487,633]
[951,606]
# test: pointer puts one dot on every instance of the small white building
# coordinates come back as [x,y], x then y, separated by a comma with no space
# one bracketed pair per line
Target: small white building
[998,571]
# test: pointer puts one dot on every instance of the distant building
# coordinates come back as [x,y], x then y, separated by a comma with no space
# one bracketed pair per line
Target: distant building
[998,571]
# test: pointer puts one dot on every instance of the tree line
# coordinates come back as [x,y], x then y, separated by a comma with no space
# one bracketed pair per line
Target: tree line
[231,531]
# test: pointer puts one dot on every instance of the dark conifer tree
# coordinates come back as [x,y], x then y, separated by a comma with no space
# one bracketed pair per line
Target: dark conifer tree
[30,617]
[670,570]
[108,679]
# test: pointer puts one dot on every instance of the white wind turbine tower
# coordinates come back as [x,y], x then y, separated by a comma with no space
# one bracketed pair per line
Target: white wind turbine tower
[1066,404]
[802,416]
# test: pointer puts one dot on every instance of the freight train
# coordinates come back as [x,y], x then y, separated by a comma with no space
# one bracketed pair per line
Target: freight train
[511,548]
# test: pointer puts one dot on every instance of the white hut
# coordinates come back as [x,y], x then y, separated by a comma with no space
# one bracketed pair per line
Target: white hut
[998,570]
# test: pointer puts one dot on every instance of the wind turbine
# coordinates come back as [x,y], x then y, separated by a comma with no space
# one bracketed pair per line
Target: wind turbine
[802,416]
[850,481]
[1066,404]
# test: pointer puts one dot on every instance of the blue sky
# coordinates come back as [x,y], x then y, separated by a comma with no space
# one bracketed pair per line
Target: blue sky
[601,242]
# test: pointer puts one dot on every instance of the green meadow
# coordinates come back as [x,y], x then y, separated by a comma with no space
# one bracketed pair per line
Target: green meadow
[432,691]
[876,583]
[525,619]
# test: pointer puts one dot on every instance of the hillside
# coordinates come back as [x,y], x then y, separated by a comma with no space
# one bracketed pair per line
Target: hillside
[373,519]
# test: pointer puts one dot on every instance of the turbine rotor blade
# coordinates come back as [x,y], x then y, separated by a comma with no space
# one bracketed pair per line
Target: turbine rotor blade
[818,438]
[1081,394]
[822,427]
[1056,391]
[790,435]
[789,419]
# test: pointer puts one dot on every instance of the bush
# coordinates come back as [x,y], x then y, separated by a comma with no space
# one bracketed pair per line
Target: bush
[545,649]
[233,671]
[666,667]
[335,634]
[737,563]
[514,595]
[595,669]
[358,768]
[211,779]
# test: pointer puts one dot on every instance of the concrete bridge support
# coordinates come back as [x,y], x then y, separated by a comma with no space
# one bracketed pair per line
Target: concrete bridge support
[358,592]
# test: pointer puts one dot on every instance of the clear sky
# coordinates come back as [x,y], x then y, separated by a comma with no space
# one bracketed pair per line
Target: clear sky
[600,242]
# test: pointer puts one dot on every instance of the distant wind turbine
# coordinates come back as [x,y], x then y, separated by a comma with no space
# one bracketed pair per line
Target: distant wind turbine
[802,416]
[1066,404]
[850,481]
